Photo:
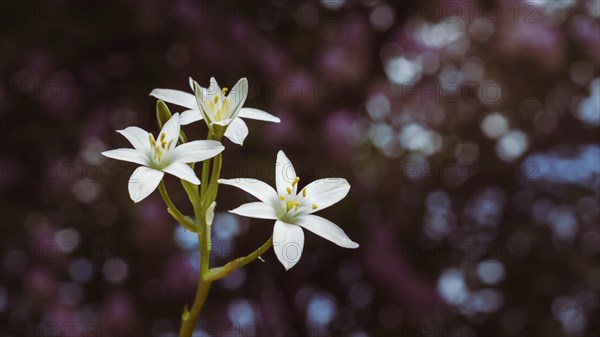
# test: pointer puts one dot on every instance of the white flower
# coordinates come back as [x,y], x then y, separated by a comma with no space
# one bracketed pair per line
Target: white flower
[293,210]
[214,105]
[161,155]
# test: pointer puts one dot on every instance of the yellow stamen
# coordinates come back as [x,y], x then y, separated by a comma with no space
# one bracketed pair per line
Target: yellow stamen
[216,99]
[304,192]
[297,203]
[162,137]
[289,190]
[151,139]
[224,91]
[314,206]
[296,180]
[170,143]
[281,197]
[289,205]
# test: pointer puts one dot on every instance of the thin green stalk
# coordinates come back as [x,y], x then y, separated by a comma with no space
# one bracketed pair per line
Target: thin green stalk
[221,272]
[186,221]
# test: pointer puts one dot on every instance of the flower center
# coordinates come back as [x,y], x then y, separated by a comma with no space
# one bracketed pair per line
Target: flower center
[219,105]
[160,147]
[294,203]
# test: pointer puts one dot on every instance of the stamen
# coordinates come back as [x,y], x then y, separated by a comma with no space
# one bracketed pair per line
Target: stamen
[151,139]
[281,197]
[314,206]
[304,192]
[216,99]
[162,137]
[289,190]
[224,91]
[289,205]
[296,180]
[170,143]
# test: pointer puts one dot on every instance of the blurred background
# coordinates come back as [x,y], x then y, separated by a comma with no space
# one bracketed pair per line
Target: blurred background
[469,131]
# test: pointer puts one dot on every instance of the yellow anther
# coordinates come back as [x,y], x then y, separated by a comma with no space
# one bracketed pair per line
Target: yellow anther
[162,137]
[281,197]
[297,203]
[304,192]
[314,206]
[163,144]
[289,205]
[288,190]
[216,99]
[296,180]
[224,91]
[151,139]
[170,143]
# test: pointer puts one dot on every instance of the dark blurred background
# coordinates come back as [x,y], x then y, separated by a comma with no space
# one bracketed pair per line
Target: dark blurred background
[469,131]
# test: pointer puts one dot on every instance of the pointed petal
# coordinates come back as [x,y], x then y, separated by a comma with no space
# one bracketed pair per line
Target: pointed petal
[137,137]
[238,95]
[237,131]
[190,116]
[284,173]
[171,128]
[288,242]
[258,115]
[214,88]
[202,99]
[197,150]
[326,229]
[143,181]
[258,210]
[178,97]
[183,171]
[130,155]
[257,188]
[326,192]
[191,82]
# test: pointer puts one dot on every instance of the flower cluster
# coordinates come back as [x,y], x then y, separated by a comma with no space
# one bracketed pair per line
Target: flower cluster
[171,152]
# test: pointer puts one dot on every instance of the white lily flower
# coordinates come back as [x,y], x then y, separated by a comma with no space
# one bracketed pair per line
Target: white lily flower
[214,105]
[161,155]
[293,210]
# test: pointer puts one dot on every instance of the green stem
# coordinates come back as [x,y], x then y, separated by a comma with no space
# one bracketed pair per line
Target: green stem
[186,221]
[189,318]
[221,272]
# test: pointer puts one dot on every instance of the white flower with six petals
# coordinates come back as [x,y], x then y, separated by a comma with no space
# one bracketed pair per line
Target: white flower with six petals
[216,106]
[161,155]
[293,210]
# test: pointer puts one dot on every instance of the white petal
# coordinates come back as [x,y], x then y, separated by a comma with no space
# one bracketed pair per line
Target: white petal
[258,115]
[130,155]
[288,242]
[137,137]
[258,210]
[326,192]
[171,129]
[257,188]
[143,181]
[190,116]
[197,150]
[284,173]
[213,89]
[238,95]
[201,99]
[327,230]
[183,171]
[178,97]
[191,82]
[237,131]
